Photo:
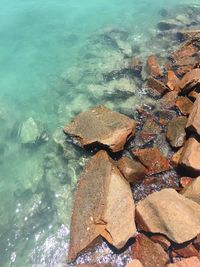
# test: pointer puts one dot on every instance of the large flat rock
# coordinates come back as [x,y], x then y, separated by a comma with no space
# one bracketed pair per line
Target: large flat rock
[193,123]
[171,214]
[103,126]
[103,207]
[192,191]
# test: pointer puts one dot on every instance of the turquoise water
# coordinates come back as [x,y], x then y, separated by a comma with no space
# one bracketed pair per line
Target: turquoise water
[54,57]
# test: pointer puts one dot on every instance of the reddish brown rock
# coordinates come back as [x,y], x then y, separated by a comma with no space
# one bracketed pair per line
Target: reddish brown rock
[173,81]
[186,50]
[152,159]
[134,263]
[196,241]
[176,134]
[193,95]
[185,181]
[190,34]
[149,253]
[101,125]
[190,156]
[153,67]
[193,123]
[157,85]
[98,211]
[190,81]
[186,251]
[150,130]
[164,212]
[184,104]
[177,156]
[162,240]
[132,170]
[192,191]
[168,101]
[190,262]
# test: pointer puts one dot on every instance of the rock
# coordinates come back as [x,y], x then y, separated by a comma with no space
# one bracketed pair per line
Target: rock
[186,50]
[193,95]
[135,64]
[101,126]
[185,181]
[190,80]
[176,134]
[153,67]
[157,85]
[152,159]
[132,170]
[190,156]
[177,156]
[186,251]
[165,211]
[162,240]
[134,263]
[30,132]
[150,130]
[184,19]
[95,214]
[168,101]
[149,253]
[169,24]
[192,190]
[173,81]
[184,104]
[192,262]
[192,35]
[193,123]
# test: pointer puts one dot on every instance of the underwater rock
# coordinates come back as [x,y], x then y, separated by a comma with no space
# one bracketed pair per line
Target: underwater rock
[176,134]
[162,240]
[149,253]
[173,81]
[132,170]
[184,104]
[153,67]
[193,124]
[193,262]
[98,211]
[171,214]
[152,159]
[183,18]
[168,101]
[190,81]
[177,156]
[185,181]
[190,156]
[192,191]
[30,132]
[185,51]
[157,85]
[169,24]
[102,126]
[193,95]
[135,65]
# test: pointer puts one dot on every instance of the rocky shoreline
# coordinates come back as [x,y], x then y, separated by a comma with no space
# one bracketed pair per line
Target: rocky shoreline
[162,227]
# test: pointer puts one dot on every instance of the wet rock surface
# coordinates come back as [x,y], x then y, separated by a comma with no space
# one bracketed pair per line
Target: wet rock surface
[192,190]
[193,123]
[193,261]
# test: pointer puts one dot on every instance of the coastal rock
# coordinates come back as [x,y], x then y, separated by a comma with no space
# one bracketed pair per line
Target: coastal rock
[190,34]
[168,24]
[153,67]
[192,191]
[149,253]
[168,101]
[157,85]
[173,81]
[186,251]
[185,181]
[162,240]
[192,262]
[186,50]
[193,123]
[152,159]
[30,132]
[165,211]
[184,104]
[98,211]
[190,156]
[190,80]
[134,263]
[132,170]
[135,65]
[193,95]
[176,134]
[103,126]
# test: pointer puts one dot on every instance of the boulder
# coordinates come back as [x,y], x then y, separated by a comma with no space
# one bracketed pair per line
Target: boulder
[171,214]
[98,211]
[134,263]
[190,80]
[176,134]
[185,181]
[132,170]
[169,24]
[192,35]
[193,95]
[157,85]
[184,104]
[152,159]
[176,157]
[193,123]
[186,251]
[162,240]
[190,156]
[192,191]
[150,130]
[173,81]
[149,253]
[168,101]
[153,67]
[103,126]
[186,50]
[30,132]
[192,262]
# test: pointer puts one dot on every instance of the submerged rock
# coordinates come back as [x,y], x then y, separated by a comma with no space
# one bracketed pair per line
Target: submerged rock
[171,214]
[134,263]
[184,104]
[157,85]
[103,126]
[98,211]
[153,67]
[30,132]
[173,81]
[193,123]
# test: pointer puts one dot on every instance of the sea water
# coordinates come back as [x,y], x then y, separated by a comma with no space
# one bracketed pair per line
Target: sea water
[53,57]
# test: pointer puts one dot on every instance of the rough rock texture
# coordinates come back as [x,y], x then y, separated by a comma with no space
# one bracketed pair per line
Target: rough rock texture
[190,262]
[157,85]
[30,132]
[193,123]
[149,253]
[101,126]
[168,101]
[186,251]
[176,134]
[132,170]
[185,181]
[153,67]
[98,210]
[190,156]
[190,80]
[173,81]
[150,130]
[162,240]
[134,263]
[171,214]
[192,191]
[152,159]
[177,156]
[184,104]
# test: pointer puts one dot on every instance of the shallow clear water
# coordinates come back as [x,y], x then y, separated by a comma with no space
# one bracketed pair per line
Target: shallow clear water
[54,57]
